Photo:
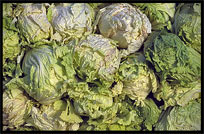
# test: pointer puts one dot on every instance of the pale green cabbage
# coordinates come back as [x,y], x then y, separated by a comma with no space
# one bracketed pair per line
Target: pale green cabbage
[160,14]
[181,118]
[16,106]
[33,22]
[125,24]
[178,67]
[96,59]
[71,20]
[46,69]
[90,101]
[187,24]
[123,115]
[59,115]
[11,44]
[138,79]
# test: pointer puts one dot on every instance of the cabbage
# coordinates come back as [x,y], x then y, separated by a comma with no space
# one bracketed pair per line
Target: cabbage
[187,24]
[138,79]
[181,118]
[159,14]
[11,46]
[16,106]
[178,67]
[90,101]
[124,24]
[96,59]
[46,69]
[33,22]
[123,115]
[71,20]
[56,116]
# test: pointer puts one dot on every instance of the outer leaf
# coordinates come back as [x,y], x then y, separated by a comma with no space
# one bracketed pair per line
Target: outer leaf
[121,116]
[7,9]
[150,113]
[92,102]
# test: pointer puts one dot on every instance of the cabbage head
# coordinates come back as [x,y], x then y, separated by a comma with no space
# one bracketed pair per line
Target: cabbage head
[159,14]
[125,24]
[45,70]
[90,100]
[187,24]
[11,46]
[177,66]
[33,22]
[71,20]
[59,115]
[16,105]
[96,59]
[181,118]
[125,116]
[7,9]
[138,79]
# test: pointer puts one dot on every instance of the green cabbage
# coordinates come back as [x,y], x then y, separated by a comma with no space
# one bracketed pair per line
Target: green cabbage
[7,9]
[96,59]
[123,115]
[178,67]
[71,20]
[125,24]
[187,24]
[59,115]
[138,79]
[46,70]
[16,106]
[181,118]
[90,101]
[11,45]
[33,22]
[159,14]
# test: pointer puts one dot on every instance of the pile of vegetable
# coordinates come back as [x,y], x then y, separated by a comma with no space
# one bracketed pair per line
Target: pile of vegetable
[101,66]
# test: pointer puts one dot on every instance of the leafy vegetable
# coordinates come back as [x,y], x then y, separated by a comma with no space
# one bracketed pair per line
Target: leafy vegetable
[123,115]
[138,79]
[125,24]
[159,14]
[71,20]
[56,116]
[33,22]
[181,118]
[178,66]
[92,102]
[96,59]
[45,72]
[11,45]
[187,24]
[16,106]
[99,66]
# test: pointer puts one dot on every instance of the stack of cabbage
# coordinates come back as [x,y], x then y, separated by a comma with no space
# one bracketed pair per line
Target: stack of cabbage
[101,66]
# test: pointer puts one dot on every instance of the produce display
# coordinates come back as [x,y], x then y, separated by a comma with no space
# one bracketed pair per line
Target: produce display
[101,66]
